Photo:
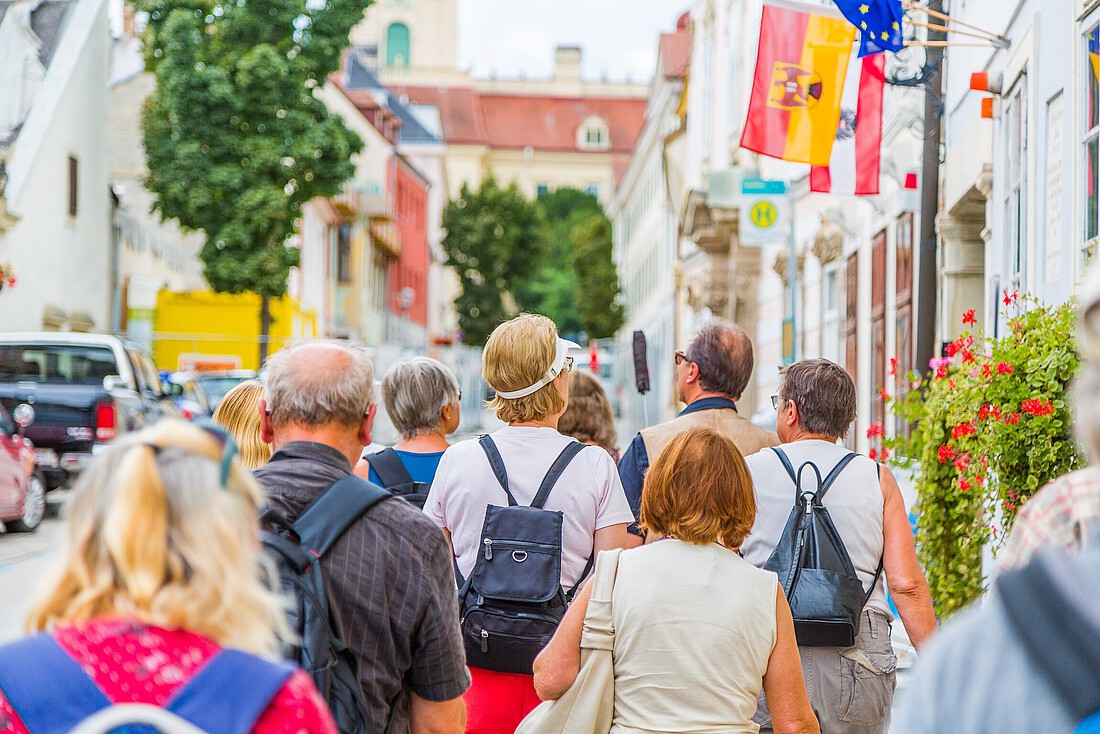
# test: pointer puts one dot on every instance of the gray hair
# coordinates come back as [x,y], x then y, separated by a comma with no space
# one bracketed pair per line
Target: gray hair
[824,393]
[415,391]
[723,353]
[319,383]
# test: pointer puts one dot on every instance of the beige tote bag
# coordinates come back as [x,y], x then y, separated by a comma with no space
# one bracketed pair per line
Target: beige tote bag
[588,707]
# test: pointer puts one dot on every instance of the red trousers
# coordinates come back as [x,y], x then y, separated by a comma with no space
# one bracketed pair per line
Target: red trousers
[497,702]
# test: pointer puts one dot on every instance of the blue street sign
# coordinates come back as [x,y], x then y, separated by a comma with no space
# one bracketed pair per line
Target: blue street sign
[763,187]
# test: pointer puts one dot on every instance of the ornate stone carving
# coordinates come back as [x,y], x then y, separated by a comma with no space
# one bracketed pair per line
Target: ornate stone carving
[782,260]
[828,242]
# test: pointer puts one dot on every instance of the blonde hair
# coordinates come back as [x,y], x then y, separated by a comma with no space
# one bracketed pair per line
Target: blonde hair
[154,536]
[518,354]
[588,417]
[699,490]
[239,414]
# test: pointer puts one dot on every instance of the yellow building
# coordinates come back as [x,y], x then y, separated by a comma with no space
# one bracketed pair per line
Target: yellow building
[207,330]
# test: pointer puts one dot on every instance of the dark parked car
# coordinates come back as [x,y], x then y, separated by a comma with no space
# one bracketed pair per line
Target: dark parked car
[85,389]
[22,487]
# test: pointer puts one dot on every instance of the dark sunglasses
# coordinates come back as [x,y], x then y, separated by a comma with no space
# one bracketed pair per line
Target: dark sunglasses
[680,356]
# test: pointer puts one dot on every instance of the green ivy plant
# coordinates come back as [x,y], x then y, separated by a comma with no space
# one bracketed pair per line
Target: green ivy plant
[991,424]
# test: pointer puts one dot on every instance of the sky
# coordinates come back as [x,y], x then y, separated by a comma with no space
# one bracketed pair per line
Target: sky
[518,37]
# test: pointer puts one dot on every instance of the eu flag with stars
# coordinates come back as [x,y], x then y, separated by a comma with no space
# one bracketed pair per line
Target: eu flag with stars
[879,24]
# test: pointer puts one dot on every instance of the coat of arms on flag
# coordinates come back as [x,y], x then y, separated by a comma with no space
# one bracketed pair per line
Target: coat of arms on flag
[803,59]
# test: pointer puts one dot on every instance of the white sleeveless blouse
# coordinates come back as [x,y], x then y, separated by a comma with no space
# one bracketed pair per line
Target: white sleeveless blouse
[694,629]
[854,503]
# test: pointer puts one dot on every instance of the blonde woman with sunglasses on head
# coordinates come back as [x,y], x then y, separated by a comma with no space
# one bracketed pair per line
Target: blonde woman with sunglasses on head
[160,599]
[492,490]
[238,413]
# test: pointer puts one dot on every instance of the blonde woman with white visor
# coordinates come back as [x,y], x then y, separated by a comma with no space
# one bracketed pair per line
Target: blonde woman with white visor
[527,364]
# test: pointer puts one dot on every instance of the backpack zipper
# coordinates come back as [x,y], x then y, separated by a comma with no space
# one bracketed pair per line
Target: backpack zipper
[488,544]
[484,641]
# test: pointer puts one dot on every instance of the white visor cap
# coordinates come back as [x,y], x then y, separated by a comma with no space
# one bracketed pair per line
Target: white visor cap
[560,353]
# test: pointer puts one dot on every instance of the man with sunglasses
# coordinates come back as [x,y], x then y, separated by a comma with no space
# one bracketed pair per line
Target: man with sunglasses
[389,577]
[711,374]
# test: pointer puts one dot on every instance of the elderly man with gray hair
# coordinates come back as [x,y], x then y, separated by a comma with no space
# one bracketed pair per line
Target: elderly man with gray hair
[711,374]
[422,397]
[389,577]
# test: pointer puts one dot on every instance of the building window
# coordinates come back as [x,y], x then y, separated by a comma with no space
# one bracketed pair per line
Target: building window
[1091,144]
[343,254]
[830,317]
[593,134]
[1016,197]
[397,45]
[593,190]
[542,190]
[73,185]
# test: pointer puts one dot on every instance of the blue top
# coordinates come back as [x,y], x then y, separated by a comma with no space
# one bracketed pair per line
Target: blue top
[635,461]
[421,467]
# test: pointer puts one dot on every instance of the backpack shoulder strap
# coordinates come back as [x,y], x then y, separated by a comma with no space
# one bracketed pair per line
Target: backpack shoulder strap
[831,477]
[46,687]
[496,462]
[390,469]
[554,473]
[230,693]
[786,462]
[326,518]
[1043,603]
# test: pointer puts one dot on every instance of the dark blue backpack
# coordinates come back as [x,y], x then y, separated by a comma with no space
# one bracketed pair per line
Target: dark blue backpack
[52,694]
[513,601]
[396,480]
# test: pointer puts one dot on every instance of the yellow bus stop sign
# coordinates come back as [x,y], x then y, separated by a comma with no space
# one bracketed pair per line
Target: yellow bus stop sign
[764,214]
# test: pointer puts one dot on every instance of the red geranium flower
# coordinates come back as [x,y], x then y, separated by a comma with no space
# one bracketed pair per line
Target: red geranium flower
[941,371]
[968,357]
[988,410]
[962,463]
[1012,419]
[885,453]
[969,318]
[946,453]
[893,366]
[872,454]
[1004,368]
[1037,407]
[963,430]
[963,485]
[876,429]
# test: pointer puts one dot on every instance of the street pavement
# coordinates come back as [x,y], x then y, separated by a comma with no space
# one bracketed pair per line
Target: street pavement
[25,559]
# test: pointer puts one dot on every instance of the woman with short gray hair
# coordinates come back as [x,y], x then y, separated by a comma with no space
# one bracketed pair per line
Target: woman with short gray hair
[422,399]
[850,688]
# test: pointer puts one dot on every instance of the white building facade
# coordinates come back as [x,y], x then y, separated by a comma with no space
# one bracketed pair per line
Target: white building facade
[56,232]
[646,242]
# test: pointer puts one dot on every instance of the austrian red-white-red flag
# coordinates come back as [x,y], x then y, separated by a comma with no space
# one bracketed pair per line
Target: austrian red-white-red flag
[857,153]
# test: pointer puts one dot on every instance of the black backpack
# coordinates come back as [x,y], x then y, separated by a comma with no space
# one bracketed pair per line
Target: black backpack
[814,567]
[1054,618]
[396,480]
[297,550]
[513,601]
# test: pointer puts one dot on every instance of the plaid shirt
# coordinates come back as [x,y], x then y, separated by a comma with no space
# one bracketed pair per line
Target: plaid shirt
[1064,513]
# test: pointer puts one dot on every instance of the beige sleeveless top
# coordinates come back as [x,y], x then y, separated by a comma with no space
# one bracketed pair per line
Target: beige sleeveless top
[694,628]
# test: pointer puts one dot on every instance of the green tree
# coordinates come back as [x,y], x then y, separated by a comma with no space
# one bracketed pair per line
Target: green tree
[235,139]
[552,289]
[495,237]
[597,295]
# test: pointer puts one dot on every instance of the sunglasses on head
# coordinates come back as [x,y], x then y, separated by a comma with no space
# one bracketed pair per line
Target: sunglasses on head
[226,445]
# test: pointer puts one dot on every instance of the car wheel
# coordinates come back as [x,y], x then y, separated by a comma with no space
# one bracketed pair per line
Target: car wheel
[34,506]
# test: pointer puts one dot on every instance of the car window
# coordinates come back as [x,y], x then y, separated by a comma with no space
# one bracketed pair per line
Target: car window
[69,364]
[139,373]
[144,370]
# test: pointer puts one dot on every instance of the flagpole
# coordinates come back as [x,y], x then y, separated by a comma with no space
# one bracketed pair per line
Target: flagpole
[984,36]
[946,18]
[948,44]
[792,274]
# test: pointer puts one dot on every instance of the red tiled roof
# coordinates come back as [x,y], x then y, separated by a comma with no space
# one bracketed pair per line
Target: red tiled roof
[674,53]
[459,109]
[518,121]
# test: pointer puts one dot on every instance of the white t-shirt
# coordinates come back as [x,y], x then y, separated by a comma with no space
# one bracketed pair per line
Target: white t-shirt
[588,493]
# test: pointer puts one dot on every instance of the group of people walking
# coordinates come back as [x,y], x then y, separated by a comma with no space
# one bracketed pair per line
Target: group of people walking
[461,599]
